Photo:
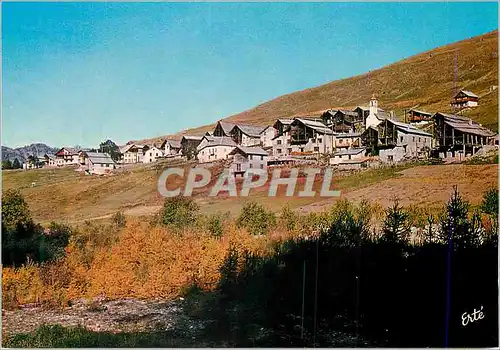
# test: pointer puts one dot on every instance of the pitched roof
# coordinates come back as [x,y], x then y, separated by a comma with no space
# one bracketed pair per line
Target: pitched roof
[407,128]
[226,126]
[343,111]
[193,137]
[250,130]
[316,126]
[250,150]
[466,125]
[467,93]
[350,151]
[71,150]
[99,158]
[172,143]
[419,111]
[218,141]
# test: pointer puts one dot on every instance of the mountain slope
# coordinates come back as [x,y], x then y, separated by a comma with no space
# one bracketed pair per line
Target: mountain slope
[424,81]
[22,153]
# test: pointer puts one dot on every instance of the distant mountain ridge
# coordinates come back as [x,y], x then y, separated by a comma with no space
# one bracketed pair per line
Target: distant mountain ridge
[22,153]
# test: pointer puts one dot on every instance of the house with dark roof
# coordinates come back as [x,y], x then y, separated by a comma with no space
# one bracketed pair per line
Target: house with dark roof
[464,99]
[416,116]
[189,143]
[247,135]
[281,141]
[171,147]
[455,133]
[394,141]
[311,136]
[342,120]
[247,158]
[212,148]
[223,129]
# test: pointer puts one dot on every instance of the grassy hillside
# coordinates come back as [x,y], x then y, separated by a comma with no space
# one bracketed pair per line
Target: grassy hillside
[424,81]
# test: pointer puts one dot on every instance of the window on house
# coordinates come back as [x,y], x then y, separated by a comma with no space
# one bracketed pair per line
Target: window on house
[413,138]
[278,150]
[390,158]
[250,157]
[419,139]
[340,140]
[107,165]
[349,156]
[279,142]
[320,140]
[261,157]
[251,165]
[316,149]
[262,166]
[401,138]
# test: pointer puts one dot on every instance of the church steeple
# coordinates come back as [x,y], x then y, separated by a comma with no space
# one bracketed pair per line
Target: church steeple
[373,105]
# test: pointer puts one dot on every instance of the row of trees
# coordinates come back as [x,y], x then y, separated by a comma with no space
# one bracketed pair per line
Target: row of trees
[8,164]
[348,287]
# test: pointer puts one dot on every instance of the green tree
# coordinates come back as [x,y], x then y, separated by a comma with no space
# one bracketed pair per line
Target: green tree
[6,164]
[490,202]
[179,212]
[455,222]
[16,164]
[111,148]
[15,210]
[396,228]
[256,219]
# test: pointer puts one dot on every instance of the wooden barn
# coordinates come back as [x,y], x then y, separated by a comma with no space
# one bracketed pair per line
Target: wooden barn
[456,133]
[342,120]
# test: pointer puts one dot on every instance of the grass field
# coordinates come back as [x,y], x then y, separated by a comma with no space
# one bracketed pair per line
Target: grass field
[65,195]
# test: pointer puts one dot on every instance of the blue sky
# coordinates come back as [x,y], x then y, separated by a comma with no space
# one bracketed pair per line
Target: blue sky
[79,73]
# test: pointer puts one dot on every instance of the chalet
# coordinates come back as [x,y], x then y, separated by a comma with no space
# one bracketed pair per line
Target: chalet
[347,154]
[267,135]
[50,160]
[152,154]
[281,142]
[171,147]
[348,140]
[189,143]
[223,129]
[212,148]
[343,121]
[99,163]
[67,156]
[464,99]
[376,115]
[245,158]
[133,153]
[394,141]
[246,135]
[456,133]
[311,136]
[417,116]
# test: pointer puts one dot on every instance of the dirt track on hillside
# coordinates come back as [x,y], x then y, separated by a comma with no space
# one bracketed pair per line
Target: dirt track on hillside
[423,186]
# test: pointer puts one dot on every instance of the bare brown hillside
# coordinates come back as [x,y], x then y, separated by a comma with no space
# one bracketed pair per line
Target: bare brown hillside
[424,81]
